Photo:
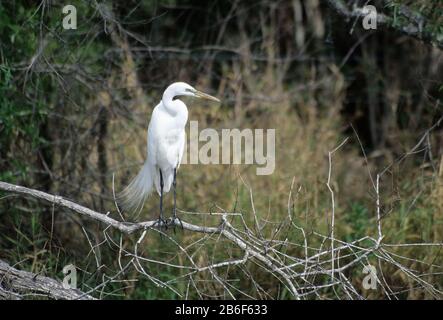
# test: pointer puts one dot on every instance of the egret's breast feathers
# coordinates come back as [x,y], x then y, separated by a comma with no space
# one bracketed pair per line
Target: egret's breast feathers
[169,148]
[166,135]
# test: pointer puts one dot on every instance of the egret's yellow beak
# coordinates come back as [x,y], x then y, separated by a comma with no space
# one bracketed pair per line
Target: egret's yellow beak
[203,95]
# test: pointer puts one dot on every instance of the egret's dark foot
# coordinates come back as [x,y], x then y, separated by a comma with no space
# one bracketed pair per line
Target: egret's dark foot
[174,221]
[160,223]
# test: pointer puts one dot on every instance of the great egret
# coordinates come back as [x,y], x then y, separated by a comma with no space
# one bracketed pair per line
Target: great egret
[166,142]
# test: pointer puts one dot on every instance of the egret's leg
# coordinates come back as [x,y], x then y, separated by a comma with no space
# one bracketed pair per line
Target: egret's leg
[174,184]
[161,221]
[161,195]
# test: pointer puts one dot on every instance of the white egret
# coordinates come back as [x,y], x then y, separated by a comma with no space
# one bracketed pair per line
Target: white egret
[166,142]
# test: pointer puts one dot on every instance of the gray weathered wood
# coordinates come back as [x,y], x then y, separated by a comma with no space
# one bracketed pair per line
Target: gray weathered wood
[17,284]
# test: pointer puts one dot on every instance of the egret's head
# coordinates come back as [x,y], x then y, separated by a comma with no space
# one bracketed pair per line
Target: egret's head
[178,89]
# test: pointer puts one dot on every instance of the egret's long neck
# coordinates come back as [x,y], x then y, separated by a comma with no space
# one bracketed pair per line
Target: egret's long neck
[168,102]
[173,107]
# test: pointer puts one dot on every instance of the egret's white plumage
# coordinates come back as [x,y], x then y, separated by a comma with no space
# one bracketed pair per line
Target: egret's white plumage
[166,142]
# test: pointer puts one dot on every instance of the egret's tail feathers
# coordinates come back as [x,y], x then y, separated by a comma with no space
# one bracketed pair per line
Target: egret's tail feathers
[132,198]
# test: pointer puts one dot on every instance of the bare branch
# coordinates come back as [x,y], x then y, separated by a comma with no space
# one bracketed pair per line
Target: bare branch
[16,284]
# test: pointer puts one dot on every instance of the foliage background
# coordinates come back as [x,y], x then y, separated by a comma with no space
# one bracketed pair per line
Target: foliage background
[74,108]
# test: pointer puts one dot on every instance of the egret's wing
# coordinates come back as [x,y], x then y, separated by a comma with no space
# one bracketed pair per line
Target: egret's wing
[153,141]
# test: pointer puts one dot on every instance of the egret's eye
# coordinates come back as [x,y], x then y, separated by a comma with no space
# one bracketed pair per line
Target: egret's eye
[189,90]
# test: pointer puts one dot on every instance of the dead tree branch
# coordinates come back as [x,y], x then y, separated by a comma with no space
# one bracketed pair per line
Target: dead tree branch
[17,284]
[129,228]
[302,276]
